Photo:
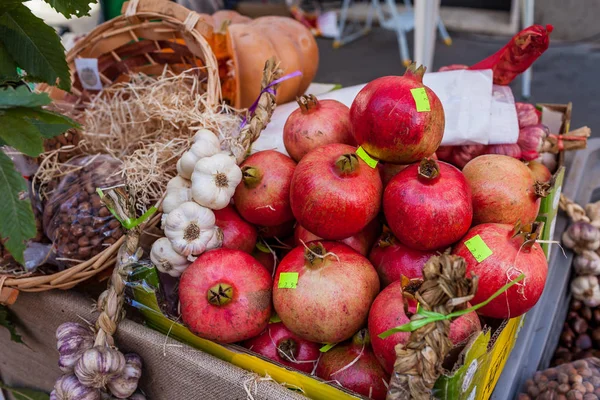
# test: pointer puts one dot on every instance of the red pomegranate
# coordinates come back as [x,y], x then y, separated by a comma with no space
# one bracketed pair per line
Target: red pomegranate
[263,196]
[513,253]
[237,233]
[387,170]
[266,259]
[392,259]
[503,190]
[360,242]
[334,291]
[539,171]
[279,231]
[279,344]
[334,194]
[354,366]
[390,122]
[388,311]
[316,123]
[428,205]
[230,289]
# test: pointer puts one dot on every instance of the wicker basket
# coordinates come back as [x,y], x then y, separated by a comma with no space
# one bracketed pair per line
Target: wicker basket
[149,36]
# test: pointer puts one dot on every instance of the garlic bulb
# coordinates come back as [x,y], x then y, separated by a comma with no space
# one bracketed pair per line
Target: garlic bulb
[72,340]
[586,289]
[98,366]
[205,144]
[587,263]
[125,384]
[581,236]
[68,387]
[217,240]
[526,114]
[176,197]
[166,259]
[179,182]
[214,181]
[163,220]
[189,228]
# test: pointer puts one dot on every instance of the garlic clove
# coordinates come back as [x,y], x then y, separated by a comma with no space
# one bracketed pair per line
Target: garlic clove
[587,263]
[125,384]
[206,136]
[176,197]
[587,289]
[98,365]
[68,387]
[72,340]
[202,148]
[214,180]
[166,259]
[216,240]
[186,228]
[179,182]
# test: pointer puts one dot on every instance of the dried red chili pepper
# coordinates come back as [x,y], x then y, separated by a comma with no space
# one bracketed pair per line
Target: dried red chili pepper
[518,54]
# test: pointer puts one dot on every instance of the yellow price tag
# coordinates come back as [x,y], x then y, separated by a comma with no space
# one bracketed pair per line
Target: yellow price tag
[421,99]
[288,280]
[371,162]
[478,248]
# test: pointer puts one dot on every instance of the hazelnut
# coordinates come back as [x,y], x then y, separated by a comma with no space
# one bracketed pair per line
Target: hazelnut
[72,247]
[96,241]
[584,342]
[533,391]
[523,396]
[76,230]
[579,325]
[574,395]
[561,397]
[588,387]
[564,388]
[85,207]
[83,241]
[586,313]
[596,315]
[551,373]
[85,251]
[109,241]
[103,212]
[575,378]
[580,364]
[114,224]
[595,380]
[98,222]
[552,385]
[590,396]
[95,201]
[579,387]
[585,372]
[116,234]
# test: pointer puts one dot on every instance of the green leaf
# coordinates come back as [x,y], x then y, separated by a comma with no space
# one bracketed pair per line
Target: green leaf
[48,123]
[17,223]
[35,46]
[25,394]
[71,7]
[22,97]
[8,66]
[6,321]
[21,134]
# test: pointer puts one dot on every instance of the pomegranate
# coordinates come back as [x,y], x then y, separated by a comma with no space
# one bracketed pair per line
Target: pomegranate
[334,291]
[503,190]
[278,231]
[230,289]
[387,171]
[334,194]
[360,242]
[390,309]
[428,205]
[386,121]
[316,123]
[392,259]
[263,196]
[354,366]
[279,344]
[237,233]
[539,171]
[266,259]
[513,252]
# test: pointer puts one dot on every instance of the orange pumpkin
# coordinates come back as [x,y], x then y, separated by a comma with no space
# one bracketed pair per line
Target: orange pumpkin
[250,43]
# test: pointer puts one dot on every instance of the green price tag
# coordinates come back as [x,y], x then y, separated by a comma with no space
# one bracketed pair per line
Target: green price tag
[478,248]
[274,319]
[421,99]
[371,162]
[327,347]
[288,280]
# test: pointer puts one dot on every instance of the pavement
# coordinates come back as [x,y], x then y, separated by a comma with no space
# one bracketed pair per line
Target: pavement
[565,72]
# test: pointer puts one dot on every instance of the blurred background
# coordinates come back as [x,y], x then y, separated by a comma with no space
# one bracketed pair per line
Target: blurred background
[476,29]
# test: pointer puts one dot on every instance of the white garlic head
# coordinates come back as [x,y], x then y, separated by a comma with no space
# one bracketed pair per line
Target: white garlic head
[189,228]
[72,340]
[166,259]
[125,384]
[214,181]
[175,197]
[205,144]
[98,365]
[587,263]
[586,289]
[68,387]
[179,182]
[581,236]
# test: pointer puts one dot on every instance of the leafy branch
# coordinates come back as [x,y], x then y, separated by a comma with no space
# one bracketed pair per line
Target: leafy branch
[28,44]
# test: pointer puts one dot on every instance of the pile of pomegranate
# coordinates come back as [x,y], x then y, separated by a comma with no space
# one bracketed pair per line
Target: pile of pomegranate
[318,247]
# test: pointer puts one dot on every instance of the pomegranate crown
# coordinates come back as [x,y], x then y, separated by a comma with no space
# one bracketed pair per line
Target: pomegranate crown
[307,103]
[414,72]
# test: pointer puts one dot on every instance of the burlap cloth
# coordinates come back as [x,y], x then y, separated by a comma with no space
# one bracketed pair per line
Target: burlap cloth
[183,373]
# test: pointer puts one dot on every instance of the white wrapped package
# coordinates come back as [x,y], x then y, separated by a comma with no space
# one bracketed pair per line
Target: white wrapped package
[476,110]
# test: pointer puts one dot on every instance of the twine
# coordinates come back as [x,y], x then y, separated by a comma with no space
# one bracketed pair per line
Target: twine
[419,364]
[573,210]
[574,140]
